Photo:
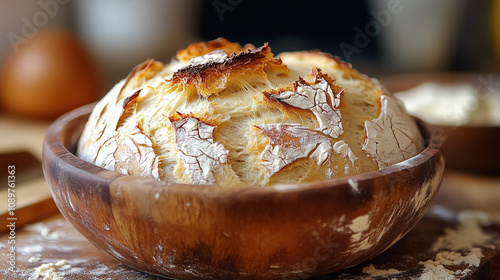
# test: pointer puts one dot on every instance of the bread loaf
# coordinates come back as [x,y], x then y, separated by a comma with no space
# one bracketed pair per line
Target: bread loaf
[221,113]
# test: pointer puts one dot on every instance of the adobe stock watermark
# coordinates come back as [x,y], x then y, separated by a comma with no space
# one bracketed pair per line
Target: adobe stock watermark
[487,87]
[483,91]
[11,219]
[373,28]
[39,19]
[223,6]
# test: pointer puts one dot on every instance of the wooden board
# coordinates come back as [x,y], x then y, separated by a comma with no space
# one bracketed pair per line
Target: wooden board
[20,147]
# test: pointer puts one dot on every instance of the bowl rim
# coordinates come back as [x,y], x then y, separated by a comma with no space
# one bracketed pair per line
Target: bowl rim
[434,139]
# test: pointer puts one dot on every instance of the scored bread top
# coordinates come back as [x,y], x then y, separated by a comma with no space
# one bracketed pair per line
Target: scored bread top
[221,113]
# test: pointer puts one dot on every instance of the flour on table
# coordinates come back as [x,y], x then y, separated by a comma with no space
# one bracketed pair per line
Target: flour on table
[27,250]
[51,271]
[45,231]
[468,234]
[473,258]
[439,272]
[458,247]
[380,272]
[34,259]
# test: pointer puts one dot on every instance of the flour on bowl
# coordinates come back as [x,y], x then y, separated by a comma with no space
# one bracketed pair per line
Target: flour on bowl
[359,226]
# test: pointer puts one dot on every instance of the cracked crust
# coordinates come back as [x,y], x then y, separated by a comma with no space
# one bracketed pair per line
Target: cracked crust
[291,142]
[391,137]
[129,106]
[136,155]
[201,156]
[213,76]
[320,96]
[227,114]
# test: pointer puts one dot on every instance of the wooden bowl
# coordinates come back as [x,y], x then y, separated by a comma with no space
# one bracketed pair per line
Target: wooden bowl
[471,148]
[278,232]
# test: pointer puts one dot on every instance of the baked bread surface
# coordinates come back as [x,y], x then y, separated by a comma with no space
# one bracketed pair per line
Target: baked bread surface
[221,113]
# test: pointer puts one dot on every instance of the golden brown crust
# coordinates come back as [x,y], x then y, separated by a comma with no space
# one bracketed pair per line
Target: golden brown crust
[213,77]
[202,118]
[129,105]
[143,71]
[275,66]
[202,48]
[338,61]
[316,54]
[325,60]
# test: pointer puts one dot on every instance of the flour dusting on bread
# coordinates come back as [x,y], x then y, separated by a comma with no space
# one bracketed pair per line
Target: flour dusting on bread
[221,113]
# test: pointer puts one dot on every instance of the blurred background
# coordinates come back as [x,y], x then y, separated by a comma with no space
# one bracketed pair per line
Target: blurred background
[379,37]
[57,55]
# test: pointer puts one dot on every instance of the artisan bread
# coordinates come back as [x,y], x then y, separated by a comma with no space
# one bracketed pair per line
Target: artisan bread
[221,113]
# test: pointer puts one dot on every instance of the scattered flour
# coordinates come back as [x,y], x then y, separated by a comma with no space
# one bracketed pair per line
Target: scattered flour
[45,231]
[54,235]
[434,269]
[473,258]
[439,272]
[51,271]
[34,259]
[467,237]
[27,250]
[379,272]
[468,233]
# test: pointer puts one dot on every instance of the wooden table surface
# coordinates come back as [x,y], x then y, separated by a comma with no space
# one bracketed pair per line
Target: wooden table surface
[50,238]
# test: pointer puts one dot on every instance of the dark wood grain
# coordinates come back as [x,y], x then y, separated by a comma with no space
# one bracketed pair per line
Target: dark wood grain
[284,232]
